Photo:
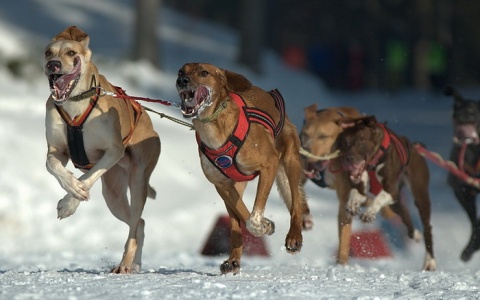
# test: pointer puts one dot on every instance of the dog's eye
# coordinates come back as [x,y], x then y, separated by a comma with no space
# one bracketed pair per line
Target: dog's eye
[181,73]
[204,73]
[71,53]
[321,137]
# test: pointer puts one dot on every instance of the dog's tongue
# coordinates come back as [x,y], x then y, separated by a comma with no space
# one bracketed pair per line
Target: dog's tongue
[200,94]
[355,170]
[62,84]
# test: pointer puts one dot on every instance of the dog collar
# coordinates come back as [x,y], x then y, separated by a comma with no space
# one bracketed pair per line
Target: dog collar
[88,94]
[215,114]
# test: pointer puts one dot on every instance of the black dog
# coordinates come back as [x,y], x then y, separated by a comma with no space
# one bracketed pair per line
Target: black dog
[465,153]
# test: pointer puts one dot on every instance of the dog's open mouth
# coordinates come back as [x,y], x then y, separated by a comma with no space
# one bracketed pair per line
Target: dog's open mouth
[62,84]
[194,100]
[314,170]
[466,134]
[355,169]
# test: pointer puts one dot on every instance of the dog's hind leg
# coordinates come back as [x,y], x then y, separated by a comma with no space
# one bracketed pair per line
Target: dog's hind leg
[284,191]
[114,189]
[466,197]
[419,177]
[290,160]
[399,208]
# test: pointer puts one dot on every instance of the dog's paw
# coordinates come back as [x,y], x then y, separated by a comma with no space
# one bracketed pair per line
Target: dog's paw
[258,225]
[368,216]
[77,188]
[230,266]
[67,206]
[307,223]
[293,242]
[122,269]
[353,207]
[430,264]
[355,202]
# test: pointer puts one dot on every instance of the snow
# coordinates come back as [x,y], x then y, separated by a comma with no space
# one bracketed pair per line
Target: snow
[44,258]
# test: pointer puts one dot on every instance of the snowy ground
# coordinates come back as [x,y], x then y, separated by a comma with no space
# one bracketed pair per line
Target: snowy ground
[43,258]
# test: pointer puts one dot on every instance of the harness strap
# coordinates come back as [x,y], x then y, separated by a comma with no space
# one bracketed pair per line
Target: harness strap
[261,117]
[137,112]
[402,151]
[223,158]
[76,145]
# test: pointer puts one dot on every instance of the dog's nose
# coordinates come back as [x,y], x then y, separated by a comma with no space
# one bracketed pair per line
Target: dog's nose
[182,81]
[54,66]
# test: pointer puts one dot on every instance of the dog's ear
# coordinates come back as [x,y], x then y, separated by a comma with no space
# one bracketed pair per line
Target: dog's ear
[75,34]
[236,82]
[370,121]
[451,91]
[347,122]
[310,112]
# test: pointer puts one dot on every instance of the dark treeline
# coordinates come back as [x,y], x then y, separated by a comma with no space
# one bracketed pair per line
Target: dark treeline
[355,44]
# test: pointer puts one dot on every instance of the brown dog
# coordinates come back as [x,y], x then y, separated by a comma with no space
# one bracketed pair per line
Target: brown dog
[318,136]
[243,132]
[376,162]
[105,137]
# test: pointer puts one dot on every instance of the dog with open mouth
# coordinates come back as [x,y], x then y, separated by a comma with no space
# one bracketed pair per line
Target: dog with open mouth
[318,136]
[243,132]
[104,137]
[376,163]
[465,153]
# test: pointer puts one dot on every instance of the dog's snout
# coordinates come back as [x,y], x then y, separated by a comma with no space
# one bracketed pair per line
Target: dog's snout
[182,81]
[54,66]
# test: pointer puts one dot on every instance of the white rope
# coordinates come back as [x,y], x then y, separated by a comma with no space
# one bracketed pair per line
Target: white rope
[307,154]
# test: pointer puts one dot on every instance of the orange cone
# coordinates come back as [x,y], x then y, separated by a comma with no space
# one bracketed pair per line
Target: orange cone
[369,244]
[218,243]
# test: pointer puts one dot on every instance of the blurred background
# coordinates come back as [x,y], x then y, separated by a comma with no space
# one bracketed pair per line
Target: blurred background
[348,44]
[359,44]
[390,58]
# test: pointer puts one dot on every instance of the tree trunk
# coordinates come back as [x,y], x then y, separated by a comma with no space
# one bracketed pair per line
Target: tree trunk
[252,33]
[145,33]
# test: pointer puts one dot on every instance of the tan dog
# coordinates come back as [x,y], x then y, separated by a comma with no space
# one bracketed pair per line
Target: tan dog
[240,135]
[105,137]
[318,136]
[376,163]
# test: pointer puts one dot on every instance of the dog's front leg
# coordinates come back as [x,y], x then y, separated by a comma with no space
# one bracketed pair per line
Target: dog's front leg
[108,160]
[76,189]
[257,224]
[56,162]
[232,196]
[68,205]
[355,201]
[381,200]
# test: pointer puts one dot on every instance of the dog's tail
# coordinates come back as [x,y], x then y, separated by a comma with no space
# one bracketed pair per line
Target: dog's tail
[151,192]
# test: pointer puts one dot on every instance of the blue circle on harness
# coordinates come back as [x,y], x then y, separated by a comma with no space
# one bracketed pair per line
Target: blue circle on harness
[224,161]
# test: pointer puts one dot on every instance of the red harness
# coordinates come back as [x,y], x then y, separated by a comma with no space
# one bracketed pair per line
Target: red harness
[223,158]
[76,147]
[402,151]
